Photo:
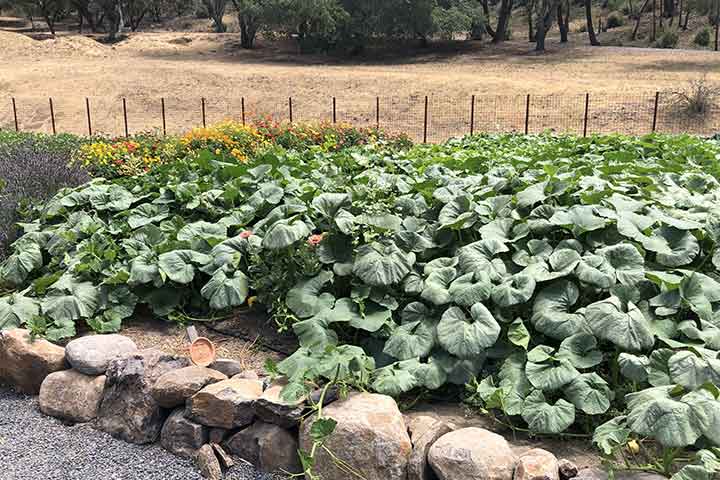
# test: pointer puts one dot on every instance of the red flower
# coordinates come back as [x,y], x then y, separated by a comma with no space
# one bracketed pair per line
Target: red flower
[314,240]
[246,234]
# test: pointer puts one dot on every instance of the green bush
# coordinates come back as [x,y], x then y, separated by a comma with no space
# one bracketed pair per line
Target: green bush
[702,38]
[615,19]
[668,39]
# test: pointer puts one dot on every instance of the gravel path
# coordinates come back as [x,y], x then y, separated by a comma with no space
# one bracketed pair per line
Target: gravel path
[36,447]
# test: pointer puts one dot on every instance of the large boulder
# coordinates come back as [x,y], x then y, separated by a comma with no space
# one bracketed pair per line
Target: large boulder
[91,355]
[24,363]
[71,395]
[268,447]
[182,436]
[472,453]
[424,432]
[537,463]
[176,386]
[128,410]
[227,404]
[370,437]
[271,408]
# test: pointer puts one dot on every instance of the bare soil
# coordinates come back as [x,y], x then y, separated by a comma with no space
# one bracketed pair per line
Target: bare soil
[184,66]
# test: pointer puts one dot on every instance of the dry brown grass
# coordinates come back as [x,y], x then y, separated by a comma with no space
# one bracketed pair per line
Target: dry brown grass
[149,66]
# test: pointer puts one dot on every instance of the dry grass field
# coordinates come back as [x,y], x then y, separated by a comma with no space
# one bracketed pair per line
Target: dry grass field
[182,67]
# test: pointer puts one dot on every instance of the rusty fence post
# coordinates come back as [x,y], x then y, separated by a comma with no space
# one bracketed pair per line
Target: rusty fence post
[202,101]
[472,115]
[52,116]
[242,109]
[655,111]
[87,111]
[290,109]
[585,118]
[425,122]
[125,119]
[334,110]
[527,114]
[14,105]
[162,112]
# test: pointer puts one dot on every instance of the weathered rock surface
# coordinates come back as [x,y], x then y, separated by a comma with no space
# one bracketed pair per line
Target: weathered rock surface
[226,461]
[128,410]
[208,464]
[537,464]
[71,396]
[227,366]
[227,404]
[181,436]
[271,408]
[472,453]
[268,447]
[91,355]
[248,375]
[25,363]
[567,469]
[424,432]
[218,435]
[176,386]
[370,436]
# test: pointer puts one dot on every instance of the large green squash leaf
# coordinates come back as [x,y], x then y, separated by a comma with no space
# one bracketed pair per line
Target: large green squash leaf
[306,300]
[382,264]
[619,323]
[223,291]
[542,417]
[552,310]
[467,338]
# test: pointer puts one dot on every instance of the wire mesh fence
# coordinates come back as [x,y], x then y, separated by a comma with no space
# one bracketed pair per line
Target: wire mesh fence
[432,118]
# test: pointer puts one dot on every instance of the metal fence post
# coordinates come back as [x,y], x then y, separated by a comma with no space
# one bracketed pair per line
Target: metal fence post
[52,117]
[334,110]
[290,108]
[527,114]
[162,110]
[655,111]
[425,123]
[124,104]
[585,119]
[472,115]
[202,100]
[242,108]
[87,110]
[17,126]
[377,112]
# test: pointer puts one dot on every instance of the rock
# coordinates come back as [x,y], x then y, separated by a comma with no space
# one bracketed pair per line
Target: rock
[268,447]
[370,436]
[176,386]
[91,355]
[248,375]
[182,436]
[537,464]
[271,408]
[25,363]
[424,432]
[331,395]
[71,396]
[567,469]
[419,424]
[472,453]
[229,367]
[227,404]
[217,435]
[128,410]
[226,461]
[208,463]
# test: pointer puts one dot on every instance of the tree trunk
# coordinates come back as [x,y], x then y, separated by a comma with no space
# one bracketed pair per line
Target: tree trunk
[545,21]
[529,7]
[637,20]
[669,8]
[486,12]
[563,22]
[503,20]
[654,25]
[590,28]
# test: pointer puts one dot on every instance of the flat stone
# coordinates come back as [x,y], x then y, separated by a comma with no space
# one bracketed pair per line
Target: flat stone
[24,363]
[424,432]
[268,447]
[227,404]
[248,375]
[537,463]
[567,469]
[271,408]
[181,436]
[71,396]
[176,386]
[370,437]
[227,366]
[472,453]
[226,461]
[91,355]
[208,464]
[128,410]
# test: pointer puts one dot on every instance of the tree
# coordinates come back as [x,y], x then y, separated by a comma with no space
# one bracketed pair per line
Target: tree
[89,11]
[216,10]
[590,27]
[504,13]
[529,10]
[563,20]
[50,10]
[546,17]
[251,17]
[135,11]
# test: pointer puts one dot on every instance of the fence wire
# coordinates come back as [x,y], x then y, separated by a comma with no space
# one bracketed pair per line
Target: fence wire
[432,118]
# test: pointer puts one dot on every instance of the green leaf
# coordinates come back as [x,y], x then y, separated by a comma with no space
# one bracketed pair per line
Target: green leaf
[396,379]
[611,434]
[581,350]
[213,233]
[578,218]
[329,204]
[224,292]
[314,334]
[683,247]
[516,290]
[382,264]
[589,393]
[179,265]
[550,375]
[411,340]
[16,310]
[285,233]
[552,310]
[626,262]
[306,300]
[18,267]
[322,428]
[542,417]
[518,334]
[465,338]
[634,367]
[70,301]
[622,324]
[437,285]
[469,289]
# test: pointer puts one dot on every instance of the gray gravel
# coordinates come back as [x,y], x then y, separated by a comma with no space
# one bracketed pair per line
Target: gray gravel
[36,447]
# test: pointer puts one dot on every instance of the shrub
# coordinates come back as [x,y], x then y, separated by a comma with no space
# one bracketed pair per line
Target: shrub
[697,100]
[227,138]
[19,189]
[702,38]
[615,19]
[668,39]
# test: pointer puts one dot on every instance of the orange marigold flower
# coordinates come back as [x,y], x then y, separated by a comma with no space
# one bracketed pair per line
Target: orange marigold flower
[314,240]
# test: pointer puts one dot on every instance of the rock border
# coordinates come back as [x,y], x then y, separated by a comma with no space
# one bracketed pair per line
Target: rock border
[145,396]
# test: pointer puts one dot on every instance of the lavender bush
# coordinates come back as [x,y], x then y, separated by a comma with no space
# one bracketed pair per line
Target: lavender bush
[29,174]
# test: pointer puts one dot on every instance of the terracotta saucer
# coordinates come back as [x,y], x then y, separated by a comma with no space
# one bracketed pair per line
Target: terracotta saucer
[202,352]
